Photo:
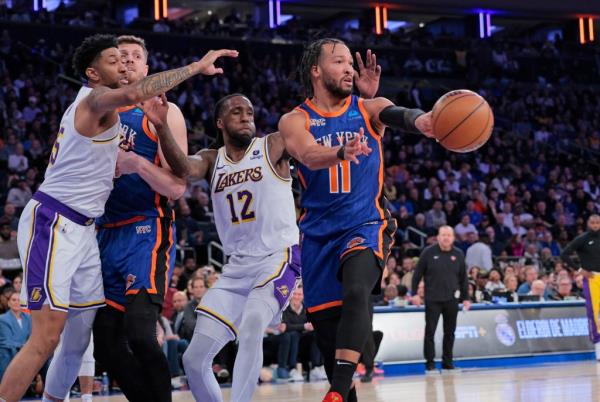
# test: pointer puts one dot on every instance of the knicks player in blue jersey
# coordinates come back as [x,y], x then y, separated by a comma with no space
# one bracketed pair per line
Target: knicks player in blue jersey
[346,232]
[261,240]
[136,237]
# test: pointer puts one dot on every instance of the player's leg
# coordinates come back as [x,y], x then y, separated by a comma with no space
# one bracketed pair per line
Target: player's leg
[112,351]
[141,317]
[67,359]
[269,296]
[591,292]
[210,336]
[86,373]
[46,240]
[46,328]
[433,310]
[360,273]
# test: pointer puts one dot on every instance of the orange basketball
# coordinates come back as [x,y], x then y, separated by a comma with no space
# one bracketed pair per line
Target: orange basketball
[462,121]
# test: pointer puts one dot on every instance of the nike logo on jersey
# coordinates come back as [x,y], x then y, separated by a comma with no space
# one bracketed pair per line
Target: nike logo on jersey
[225,180]
[219,167]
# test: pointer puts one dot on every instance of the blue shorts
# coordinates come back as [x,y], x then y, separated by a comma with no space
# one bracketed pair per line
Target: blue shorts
[135,256]
[322,258]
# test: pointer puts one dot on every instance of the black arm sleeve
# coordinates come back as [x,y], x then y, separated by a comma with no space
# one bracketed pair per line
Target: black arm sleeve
[400,118]
[572,247]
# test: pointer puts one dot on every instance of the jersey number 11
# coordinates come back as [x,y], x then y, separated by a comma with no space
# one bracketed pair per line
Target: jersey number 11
[337,172]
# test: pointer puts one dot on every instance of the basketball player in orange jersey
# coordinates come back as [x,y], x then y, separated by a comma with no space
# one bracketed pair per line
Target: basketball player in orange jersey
[62,283]
[249,177]
[346,233]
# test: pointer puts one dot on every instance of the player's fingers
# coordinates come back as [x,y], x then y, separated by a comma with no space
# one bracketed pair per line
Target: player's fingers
[218,71]
[378,70]
[373,62]
[353,158]
[163,98]
[359,61]
[225,53]
[369,59]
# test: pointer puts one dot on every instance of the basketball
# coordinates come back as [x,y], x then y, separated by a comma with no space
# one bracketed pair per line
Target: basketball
[462,121]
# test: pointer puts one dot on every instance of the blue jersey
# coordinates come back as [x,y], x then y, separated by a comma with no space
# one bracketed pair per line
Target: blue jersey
[348,195]
[132,199]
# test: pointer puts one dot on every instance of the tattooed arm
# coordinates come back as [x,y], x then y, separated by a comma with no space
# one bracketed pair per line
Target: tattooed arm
[103,99]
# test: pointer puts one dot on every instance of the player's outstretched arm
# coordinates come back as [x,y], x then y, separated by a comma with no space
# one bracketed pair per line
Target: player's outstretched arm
[103,99]
[301,145]
[384,113]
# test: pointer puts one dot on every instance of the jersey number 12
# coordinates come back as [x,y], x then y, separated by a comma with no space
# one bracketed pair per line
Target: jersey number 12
[340,173]
[246,214]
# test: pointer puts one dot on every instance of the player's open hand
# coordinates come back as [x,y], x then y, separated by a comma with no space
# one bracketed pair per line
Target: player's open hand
[156,109]
[424,124]
[206,65]
[356,147]
[367,76]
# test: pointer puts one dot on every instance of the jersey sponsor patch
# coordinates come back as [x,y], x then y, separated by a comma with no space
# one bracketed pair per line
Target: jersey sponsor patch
[357,241]
[256,155]
[284,290]
[317,122]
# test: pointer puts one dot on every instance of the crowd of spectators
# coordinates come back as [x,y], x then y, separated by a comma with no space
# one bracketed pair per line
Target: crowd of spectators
[514,204]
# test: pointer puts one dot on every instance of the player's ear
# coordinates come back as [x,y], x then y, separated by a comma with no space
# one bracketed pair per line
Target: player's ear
[315,71]
[92,74]
[146,70]
[220,124]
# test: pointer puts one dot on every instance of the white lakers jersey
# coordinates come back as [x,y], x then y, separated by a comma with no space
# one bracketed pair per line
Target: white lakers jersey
[253,206]
[81,169]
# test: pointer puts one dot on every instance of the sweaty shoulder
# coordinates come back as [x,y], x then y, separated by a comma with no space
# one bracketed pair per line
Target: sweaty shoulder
[294,118]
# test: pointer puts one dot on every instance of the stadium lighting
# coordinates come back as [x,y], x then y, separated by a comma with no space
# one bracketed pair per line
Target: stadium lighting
[591,29]
[165,4]
[385,18]
[377,21]
[156,10]
[488,24]
[581,31]
[481,28]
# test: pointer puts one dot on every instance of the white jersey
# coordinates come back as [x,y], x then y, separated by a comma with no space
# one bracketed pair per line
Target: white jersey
[81,169]
[253,206]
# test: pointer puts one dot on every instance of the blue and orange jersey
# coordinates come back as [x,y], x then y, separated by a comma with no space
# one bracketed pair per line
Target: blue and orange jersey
[347,195]
[132,199]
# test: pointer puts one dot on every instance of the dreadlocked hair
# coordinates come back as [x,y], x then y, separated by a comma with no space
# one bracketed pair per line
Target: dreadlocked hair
[310,58]
[89,51]
[219,141]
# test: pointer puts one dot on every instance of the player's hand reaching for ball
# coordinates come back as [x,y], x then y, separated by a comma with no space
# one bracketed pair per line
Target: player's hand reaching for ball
[156,109]
[206,65]
[424,124]
[356,147]
[367,75]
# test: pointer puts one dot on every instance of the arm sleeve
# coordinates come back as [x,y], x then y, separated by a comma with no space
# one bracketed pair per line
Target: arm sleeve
[400,118]
[570,249]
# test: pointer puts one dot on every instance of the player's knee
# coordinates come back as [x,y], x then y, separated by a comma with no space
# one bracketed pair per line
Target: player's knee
[357,293]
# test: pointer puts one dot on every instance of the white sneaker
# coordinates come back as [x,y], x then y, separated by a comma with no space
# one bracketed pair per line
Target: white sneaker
[296,376]
[318,374]
[597,346]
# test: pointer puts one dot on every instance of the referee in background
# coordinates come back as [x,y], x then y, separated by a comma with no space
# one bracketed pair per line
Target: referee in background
[443,268]
[587,247]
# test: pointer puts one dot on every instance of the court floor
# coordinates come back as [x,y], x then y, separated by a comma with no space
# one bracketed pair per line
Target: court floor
[572,381]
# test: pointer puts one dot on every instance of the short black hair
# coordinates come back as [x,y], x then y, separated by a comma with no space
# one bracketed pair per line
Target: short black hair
[89,51]
[219,141]
[310,57]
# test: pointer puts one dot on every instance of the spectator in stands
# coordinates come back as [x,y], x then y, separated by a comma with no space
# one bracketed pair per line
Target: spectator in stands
[435,217]
[20,194]
[531,274]
[511,283]
[8,244]
[496,245]
[503,232]
[464,228]
[564,290]
[390,295]
[480,254]
[408,266]
[15,329]
[189,267]
[451,212]
[494,281]
[10,215]
[180,301]
[517,229]
[538,288]
[189,314]
[294,325]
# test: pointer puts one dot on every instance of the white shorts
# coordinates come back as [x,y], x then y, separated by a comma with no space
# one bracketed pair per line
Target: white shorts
[60,257]
[272,277]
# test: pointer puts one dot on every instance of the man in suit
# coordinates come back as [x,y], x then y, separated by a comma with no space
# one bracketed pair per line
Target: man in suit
[15,329]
